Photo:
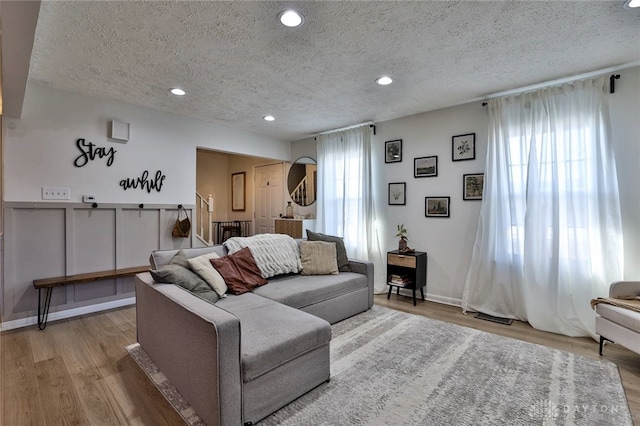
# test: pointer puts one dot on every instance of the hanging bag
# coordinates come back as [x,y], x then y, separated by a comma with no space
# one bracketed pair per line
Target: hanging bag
[182,228]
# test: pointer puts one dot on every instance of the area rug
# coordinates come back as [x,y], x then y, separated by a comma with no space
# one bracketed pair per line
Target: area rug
[393,368]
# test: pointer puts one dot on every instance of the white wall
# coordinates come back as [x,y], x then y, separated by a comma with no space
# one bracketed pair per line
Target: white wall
[39,150]
[41,146]
[625,124]
[448,241]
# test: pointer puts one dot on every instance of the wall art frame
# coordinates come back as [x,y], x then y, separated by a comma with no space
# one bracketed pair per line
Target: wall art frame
[238,191]
[393,151]
[425,166]
[397,193]
[463,147]
[437,206]
[472,186]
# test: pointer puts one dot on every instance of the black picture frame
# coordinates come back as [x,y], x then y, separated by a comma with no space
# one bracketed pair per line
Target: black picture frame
[472,186]
[238,192]
[437,206]
[393,151]
[463,147]
[425,166]
[397,193]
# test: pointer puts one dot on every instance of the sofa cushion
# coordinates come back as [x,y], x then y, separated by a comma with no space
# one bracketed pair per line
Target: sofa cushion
[318,258]
[201,266]
[624,317]
[272,334]
[179,275]
[341,251]
[298,291]
[239,270]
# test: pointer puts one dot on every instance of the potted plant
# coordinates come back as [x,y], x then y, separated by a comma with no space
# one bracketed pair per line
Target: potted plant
[402,234]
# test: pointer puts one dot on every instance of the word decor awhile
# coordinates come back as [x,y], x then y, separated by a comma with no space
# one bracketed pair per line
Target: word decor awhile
[143,182]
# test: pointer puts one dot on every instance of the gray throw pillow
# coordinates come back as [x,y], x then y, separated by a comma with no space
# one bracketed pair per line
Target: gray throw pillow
[180,259]
[176,274]
[341,251]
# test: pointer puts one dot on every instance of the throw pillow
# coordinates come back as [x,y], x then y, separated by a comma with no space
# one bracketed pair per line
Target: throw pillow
[201,266]
[239,270]
[176,274]
[180,259]
[318,258]
[341,251]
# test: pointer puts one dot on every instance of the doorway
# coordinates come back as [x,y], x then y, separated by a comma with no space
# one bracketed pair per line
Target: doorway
[213,177]
[269,197]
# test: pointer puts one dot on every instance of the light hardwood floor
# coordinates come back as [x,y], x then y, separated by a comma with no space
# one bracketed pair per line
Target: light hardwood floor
[78,372]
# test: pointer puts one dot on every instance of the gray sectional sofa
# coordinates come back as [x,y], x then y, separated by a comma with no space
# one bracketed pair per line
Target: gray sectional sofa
[246,356]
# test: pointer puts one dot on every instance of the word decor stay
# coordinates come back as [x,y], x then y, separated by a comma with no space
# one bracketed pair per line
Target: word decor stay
[89,152]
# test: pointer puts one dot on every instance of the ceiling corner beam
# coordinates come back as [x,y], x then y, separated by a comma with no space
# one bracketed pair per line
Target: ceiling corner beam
[18,24]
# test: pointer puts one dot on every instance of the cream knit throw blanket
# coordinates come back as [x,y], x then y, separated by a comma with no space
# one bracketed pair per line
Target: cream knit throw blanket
[274,254]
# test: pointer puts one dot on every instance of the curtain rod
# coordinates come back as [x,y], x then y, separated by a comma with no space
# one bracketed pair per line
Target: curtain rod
[560,81]
[370,123]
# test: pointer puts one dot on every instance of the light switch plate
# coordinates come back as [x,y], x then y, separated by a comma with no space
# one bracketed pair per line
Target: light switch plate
[55,193]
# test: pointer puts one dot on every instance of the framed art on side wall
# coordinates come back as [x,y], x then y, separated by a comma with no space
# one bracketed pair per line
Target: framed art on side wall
[425,166]
[463,147]
[393,151]
[397,193]
[472,186]
[238,192]
[436,206]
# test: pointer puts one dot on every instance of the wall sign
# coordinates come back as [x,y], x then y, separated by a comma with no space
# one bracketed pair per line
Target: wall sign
[143,182]
[90,152]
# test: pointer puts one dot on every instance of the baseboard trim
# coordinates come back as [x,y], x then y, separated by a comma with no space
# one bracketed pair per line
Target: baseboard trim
[68,313]
[444,300]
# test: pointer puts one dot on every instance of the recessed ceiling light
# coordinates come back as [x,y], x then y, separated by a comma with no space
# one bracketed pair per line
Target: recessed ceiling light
[384,80]
[269,118]
[630,4]
[177,92]
[291,18]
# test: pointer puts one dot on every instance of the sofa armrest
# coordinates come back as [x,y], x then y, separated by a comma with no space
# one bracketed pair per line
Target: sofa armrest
[364,267]
[624,288]
[195,344]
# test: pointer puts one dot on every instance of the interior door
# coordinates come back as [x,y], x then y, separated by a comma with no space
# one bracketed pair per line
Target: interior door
[269,196]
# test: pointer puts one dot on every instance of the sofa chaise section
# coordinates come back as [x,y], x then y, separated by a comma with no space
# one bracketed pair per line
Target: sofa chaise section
[195,344]
[245,356]
[618,324]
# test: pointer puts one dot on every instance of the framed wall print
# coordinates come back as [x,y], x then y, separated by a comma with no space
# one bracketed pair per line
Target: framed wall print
[393,151]
[425,166]
[436,206]
[238,192]
[472,186]
[397,193]
[463,147]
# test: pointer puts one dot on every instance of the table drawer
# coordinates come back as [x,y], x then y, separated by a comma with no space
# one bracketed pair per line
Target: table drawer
[401,260]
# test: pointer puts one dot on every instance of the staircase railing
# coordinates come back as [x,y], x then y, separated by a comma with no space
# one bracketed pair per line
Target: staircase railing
[300,193]
[204,208]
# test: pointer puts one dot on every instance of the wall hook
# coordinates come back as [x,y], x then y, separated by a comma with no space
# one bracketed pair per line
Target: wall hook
[94,205]
[141,206]
[180,206]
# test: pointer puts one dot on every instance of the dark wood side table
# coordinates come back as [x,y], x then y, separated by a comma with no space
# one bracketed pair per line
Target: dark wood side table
[411,268]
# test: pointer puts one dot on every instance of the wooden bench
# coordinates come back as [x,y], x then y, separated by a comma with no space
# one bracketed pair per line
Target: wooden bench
[50,283]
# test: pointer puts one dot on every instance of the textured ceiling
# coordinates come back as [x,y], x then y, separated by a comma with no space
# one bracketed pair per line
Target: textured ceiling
[237,63]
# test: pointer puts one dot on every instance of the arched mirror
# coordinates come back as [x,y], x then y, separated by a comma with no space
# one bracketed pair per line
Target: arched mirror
[302,181]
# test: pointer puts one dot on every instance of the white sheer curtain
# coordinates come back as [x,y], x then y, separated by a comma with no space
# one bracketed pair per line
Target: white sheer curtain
[549,235]
[346,199]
